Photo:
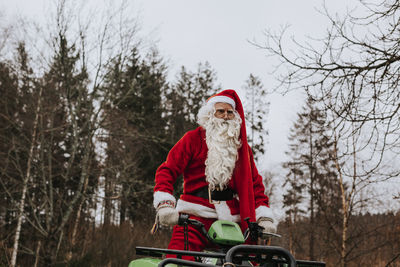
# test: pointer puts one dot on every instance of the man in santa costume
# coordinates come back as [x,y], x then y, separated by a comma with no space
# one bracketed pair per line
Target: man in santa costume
[220,179]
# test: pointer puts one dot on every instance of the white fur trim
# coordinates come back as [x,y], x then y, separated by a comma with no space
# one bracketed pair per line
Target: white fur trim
[195,209]
[161,196]
[224,212]
[264,211]
[222,99]
[221,211]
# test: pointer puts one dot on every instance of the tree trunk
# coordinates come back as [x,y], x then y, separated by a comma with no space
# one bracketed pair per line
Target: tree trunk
[76,223]
[37,253]
[123,208]
[345,206]
[107,202]
[344,238]
[25,184]
[312,223]
[312,180]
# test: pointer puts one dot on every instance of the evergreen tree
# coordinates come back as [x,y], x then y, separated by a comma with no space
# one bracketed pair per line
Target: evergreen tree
[12,141]
[185,98]
[16,141]
[51,170]
[137,140]
[311,173]
[256,112]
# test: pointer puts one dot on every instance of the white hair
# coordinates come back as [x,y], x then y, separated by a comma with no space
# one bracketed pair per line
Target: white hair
[204,114]
[223,142]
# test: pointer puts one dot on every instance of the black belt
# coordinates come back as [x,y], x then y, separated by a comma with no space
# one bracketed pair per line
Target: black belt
[217,195]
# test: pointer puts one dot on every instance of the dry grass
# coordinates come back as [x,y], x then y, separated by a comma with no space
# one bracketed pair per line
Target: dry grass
[115,245]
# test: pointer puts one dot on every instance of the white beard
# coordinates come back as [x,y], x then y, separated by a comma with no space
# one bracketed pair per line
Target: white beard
[222,138]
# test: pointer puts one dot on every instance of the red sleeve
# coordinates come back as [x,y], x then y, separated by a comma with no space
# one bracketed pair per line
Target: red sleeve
[258,187]
[177,160]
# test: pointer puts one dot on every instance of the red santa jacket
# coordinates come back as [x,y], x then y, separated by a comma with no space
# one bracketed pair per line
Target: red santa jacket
[188,157]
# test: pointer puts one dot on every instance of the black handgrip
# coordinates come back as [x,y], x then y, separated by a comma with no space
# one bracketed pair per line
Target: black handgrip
[255,231]
[183,219]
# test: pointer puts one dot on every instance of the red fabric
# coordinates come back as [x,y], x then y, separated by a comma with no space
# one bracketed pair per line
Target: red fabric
[197,241]
[187,157]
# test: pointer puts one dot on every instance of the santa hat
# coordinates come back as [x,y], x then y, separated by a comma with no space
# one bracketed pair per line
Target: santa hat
[242,174]
[220,98]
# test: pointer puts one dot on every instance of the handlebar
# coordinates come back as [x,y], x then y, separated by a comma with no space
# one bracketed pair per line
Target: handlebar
[254,231]
[184,221]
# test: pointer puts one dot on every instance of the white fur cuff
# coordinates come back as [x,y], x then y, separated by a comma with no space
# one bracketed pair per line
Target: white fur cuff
[264,211]
[162,196]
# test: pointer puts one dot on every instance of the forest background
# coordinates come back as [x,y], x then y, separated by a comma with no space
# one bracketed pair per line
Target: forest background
[88,113]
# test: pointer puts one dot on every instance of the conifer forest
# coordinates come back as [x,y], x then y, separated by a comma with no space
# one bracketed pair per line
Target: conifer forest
[88,112]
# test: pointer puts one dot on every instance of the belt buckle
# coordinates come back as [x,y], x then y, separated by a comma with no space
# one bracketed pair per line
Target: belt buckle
[210,199]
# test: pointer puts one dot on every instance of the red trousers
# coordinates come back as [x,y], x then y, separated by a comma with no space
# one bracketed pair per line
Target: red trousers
[197,241]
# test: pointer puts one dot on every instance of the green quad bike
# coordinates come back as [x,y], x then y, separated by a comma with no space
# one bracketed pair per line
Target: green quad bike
[232,253]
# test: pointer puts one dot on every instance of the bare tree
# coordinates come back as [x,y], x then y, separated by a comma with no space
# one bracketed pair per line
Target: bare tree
[354,70]
[348,196]
[26,179]
[61,172]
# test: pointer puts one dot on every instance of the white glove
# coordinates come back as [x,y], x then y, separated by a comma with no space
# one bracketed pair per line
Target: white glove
[168,216]
[268,225]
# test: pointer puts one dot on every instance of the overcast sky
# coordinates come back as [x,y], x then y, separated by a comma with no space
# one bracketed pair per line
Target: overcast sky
[187,32]
[218,31]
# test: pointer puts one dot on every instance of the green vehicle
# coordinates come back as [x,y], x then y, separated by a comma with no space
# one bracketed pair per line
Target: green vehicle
[232,250]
